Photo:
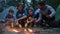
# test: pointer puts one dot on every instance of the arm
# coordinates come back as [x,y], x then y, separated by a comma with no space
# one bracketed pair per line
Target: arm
[52,11]
[17,15]
[37,11]
[23,17]
[6,17]
[39,18]
[20,19]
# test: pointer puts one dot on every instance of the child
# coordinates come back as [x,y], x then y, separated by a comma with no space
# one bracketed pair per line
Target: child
[31,18]
[21,15]
[9,17]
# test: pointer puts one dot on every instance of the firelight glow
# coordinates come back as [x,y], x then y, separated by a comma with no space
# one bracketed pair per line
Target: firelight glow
[15,30]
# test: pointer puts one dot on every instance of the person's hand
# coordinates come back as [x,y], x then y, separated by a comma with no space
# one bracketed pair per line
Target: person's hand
[16,22]
[49,16]
[36,21]
[19,19]
[28,21]
[22,18]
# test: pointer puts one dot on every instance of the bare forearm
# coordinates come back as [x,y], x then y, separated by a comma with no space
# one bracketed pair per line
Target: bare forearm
[22,17]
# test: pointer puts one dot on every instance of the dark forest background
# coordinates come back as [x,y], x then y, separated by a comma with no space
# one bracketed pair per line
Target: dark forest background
[8,3]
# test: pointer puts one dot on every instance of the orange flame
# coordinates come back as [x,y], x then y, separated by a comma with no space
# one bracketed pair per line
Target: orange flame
[12,25]
[30,30]
[20,25]
[30,18]
[25,30]
[26,24]
[14,30]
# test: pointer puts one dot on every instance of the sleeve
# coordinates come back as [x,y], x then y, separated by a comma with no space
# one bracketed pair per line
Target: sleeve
[6,16]
[17,15]
[36,15]
[39,18]
[15,19]
[25,12]
[52,11]
[37,11]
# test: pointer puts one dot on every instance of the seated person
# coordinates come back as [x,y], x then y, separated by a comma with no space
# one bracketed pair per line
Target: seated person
[9,18]
[46,13]
[31,18]
[21,15]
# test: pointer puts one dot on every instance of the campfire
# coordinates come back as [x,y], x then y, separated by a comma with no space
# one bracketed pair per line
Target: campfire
[25,29]
[20,30]
[28,30]
[14,30]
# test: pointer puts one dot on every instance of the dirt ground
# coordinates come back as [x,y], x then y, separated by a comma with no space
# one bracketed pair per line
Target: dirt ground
[37,30]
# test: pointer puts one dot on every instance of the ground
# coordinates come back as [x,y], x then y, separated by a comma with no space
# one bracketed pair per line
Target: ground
[37,30]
